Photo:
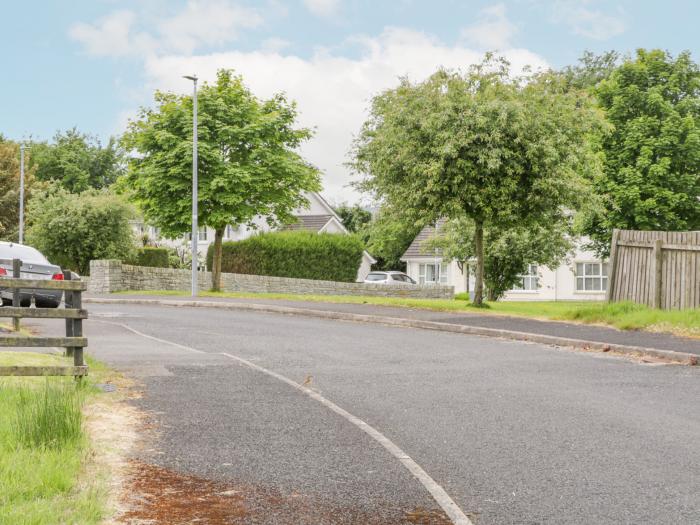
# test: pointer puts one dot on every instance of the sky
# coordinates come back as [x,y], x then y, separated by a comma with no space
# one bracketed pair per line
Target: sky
[91,64]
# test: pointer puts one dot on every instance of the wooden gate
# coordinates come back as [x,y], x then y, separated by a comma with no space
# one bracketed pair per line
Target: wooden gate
[73,313]
[656,268]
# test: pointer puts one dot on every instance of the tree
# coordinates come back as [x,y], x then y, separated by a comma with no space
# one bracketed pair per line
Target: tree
[72,229]
[503,151]
[355,218]
[9,188]
[78,161]
[248,163]
[388,237]
[507,251]
[591,69]
[651,176]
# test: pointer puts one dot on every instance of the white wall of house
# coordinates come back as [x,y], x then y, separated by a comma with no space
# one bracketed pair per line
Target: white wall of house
[582,278]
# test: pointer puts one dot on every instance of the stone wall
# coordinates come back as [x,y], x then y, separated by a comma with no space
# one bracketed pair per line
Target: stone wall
[108,276]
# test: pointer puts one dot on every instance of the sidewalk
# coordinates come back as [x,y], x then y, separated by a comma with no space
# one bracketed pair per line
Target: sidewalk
[599,334]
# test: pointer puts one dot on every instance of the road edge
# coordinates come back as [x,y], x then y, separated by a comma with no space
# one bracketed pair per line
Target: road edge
[637,352]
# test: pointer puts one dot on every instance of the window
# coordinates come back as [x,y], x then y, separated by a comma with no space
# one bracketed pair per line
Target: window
[591,277]
[432,274]
[202,236]
[376,277]
[228,233]
[529,281]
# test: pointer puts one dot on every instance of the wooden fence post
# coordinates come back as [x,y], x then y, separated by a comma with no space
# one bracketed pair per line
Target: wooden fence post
[16,296]
[612,266]
[658,274]
[68,301]
[77,329]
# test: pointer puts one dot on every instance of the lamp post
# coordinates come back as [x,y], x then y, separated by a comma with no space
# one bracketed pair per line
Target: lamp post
[22,147]
[195,228]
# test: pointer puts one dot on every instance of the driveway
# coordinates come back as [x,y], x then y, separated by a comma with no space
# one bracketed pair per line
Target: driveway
[509,432]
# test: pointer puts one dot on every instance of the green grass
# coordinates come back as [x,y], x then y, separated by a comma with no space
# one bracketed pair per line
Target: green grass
[44,450]
[624,316]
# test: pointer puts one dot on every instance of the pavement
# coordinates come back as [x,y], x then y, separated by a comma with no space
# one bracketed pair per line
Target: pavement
[513,432]
[601,334]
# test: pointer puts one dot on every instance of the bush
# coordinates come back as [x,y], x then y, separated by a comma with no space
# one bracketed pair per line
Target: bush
[73,229]
[304,255]
[151,256]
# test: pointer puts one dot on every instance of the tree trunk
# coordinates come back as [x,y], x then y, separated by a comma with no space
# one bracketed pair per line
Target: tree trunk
[216,260]
[479,277]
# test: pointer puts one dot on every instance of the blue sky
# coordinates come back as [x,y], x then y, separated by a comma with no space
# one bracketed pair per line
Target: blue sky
[91,64]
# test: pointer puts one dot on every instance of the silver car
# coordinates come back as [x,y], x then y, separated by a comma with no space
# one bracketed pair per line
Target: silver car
[34,266]
[391,277]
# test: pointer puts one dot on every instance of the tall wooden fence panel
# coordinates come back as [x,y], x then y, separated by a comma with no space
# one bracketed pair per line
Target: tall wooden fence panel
[656,268]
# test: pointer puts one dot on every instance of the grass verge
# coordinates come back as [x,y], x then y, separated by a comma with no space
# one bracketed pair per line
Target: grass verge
[624,316]
[44,450]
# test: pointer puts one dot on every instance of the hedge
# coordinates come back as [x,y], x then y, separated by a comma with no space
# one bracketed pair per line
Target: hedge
[150,256]
[300,254]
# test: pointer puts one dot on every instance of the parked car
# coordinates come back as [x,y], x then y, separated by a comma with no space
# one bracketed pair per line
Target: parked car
[34,266]
[389,278]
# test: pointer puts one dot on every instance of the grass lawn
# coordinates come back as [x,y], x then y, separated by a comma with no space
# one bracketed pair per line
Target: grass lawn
[44,451]
[625,316]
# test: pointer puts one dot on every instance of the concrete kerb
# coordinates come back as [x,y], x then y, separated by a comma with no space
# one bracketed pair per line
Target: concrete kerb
[637,352]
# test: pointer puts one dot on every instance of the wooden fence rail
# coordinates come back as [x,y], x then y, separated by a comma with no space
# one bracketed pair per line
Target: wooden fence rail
[73,313]
[656,268]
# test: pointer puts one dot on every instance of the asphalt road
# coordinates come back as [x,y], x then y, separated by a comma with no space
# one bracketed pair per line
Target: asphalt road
[515,433]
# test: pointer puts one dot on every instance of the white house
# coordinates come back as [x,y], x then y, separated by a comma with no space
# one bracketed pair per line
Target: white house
[318,216]
[583,278]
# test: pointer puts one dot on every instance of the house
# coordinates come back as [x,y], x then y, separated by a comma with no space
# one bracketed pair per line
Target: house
[583,278]
[318,217]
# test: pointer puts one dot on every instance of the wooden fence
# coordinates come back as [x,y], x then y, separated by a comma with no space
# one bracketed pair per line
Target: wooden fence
[656,268]
[73,313]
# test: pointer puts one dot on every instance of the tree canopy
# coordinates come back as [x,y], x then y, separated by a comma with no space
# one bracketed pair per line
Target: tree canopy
[651,176]
[248,160]
[355,218]
[9,188]
[498,149]
[78,161]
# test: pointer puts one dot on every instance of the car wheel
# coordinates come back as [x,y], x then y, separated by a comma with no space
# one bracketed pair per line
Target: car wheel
[46,303]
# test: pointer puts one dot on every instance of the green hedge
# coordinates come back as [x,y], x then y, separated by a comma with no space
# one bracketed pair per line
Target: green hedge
[304,255]
[150,256]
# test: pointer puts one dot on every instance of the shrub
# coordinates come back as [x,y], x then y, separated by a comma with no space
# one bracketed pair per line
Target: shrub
[151,256]
[72,229]
[300,254]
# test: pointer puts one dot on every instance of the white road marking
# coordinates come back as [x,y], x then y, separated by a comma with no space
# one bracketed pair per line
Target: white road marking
[436,491]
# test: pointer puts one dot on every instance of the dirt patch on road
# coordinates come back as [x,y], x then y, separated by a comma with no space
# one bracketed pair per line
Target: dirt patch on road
[160,496]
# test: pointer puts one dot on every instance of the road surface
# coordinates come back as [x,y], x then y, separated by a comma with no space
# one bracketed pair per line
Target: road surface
[512,433]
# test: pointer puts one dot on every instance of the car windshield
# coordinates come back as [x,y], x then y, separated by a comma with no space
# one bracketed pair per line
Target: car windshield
[376,277]
[19,251]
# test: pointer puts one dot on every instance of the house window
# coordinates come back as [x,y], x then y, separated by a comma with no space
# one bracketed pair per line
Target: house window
[432,273]
[202,234]
[228,234]
[591,277]
[529,281]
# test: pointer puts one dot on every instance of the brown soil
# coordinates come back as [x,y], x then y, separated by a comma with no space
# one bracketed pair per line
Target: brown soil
[160,496]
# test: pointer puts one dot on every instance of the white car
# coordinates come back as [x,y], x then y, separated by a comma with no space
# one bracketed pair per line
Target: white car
[389,278]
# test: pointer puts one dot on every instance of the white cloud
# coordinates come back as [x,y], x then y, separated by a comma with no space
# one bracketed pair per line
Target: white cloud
[322,7]
[200,23]
[492,31]
[333,92]
[587,21]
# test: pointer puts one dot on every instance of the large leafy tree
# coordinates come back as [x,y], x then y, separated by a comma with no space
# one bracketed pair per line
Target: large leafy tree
[78,161]
[388,236]
[9,188]
[248,160]
[498,149]
[355,218]
[651,177]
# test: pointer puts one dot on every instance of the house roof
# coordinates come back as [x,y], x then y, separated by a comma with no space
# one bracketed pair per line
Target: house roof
[314,223]
[418,247]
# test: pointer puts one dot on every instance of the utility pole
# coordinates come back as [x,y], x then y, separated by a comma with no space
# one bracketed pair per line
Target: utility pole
[195,228]
[21,193]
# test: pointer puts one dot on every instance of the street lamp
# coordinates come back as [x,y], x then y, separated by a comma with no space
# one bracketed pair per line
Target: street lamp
[22,147]
[195,229]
